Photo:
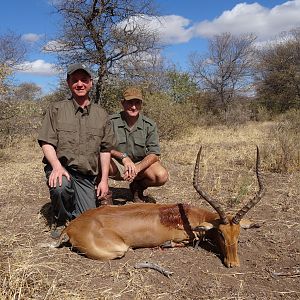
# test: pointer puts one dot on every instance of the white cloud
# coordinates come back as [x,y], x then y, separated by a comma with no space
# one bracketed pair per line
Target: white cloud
[53,46]
[38,67]
[31,37]
[173,29]
[253,18]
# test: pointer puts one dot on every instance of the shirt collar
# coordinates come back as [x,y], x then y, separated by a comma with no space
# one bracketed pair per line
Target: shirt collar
[137,125]
[77,107]
[139,122]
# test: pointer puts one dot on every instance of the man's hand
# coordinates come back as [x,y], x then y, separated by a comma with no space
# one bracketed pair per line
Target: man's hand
[130,169]
[102,189]
[58,171]
[56,176]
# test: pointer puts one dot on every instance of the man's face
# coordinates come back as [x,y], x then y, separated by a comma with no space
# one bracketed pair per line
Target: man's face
[132,107]
[80,83]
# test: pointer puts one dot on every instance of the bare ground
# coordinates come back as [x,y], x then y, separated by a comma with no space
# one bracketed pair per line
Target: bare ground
[270,264]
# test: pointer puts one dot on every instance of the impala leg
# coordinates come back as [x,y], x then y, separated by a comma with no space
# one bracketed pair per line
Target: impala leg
[101,245]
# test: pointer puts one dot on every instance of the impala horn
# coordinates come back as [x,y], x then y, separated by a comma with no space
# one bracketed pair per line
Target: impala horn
[239,215]
[204,195]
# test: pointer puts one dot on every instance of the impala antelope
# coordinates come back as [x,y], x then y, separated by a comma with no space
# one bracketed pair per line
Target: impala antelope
[108,232]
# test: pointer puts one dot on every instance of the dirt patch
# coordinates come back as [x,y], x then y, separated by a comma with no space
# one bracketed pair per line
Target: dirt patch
[270,264]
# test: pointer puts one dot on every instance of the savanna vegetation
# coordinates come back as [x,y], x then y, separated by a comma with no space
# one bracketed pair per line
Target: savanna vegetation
[230,99]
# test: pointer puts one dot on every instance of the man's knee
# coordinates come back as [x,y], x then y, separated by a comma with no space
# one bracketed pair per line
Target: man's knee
[116,170]
[157,174]
[64,190]
[62,200]
[162,176]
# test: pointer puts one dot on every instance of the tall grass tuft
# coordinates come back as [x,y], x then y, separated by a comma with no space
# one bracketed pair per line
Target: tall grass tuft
[283,144]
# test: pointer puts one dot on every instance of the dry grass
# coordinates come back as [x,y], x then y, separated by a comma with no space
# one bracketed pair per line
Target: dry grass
[28,271]
[228,158]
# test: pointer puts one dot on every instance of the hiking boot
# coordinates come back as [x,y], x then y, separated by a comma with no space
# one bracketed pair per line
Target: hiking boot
[56,230]
[137,192]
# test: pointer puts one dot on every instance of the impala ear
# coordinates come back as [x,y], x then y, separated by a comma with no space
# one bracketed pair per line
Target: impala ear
[205,226]
[247,224]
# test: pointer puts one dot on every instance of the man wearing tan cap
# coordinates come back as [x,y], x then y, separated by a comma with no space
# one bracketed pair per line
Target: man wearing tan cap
[136,156]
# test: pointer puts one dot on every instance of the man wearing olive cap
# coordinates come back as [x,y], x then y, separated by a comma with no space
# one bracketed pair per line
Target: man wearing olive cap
[75,136]
[136,156]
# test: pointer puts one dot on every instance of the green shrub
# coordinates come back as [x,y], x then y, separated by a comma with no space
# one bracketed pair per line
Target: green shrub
[173,119]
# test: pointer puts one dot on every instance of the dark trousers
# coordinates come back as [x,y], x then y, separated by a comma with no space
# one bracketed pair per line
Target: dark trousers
[73,197]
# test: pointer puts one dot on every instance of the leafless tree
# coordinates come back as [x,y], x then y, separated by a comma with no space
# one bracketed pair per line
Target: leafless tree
[278,73]
[226,70]
[27,91]
[12,53]
[103,33]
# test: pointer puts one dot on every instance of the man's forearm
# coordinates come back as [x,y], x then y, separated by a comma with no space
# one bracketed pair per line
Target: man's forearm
[104,164]
[50,155]
[116,154]
[148,161]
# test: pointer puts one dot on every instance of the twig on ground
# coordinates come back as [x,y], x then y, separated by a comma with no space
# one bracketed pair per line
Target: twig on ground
[295,273]
[153,266]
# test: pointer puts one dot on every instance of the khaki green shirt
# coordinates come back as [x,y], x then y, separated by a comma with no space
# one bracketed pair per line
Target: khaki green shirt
[77,134]
[138,142]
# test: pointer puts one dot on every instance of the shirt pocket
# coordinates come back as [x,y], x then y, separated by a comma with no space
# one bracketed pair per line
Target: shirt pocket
[139,148]
[66,136]
[94,138]
[121,140]
[120,136]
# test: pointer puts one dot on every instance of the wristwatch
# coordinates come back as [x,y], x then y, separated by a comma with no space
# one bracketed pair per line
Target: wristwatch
[124,154]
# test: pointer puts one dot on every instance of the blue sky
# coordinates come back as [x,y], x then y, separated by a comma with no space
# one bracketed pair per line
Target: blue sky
[184,28]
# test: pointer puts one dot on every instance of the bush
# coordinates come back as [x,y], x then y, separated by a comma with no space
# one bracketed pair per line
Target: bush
[283,146]
[262,114]
[238,113]
[212,113]
[173,119]
[18,119]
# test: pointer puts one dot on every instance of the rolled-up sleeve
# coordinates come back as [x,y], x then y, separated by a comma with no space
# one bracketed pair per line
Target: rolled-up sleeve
[152,140]
[48,131]
[108,141]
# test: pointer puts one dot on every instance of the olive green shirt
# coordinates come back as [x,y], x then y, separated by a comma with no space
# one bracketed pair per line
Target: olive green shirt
[139,141]
[78,135]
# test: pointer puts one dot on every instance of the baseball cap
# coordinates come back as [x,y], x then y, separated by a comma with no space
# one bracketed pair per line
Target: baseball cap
[132,93]
[78,66]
